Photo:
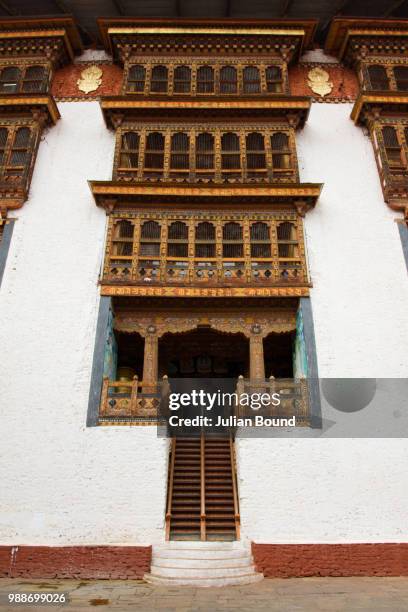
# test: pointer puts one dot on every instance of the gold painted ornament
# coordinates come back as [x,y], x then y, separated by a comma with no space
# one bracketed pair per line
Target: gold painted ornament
[318,81]
[90,80]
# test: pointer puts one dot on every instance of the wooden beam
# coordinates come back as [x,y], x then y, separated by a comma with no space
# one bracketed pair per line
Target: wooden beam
[285,7]
[61,6]
[6,8]
[119,6]
[394,6]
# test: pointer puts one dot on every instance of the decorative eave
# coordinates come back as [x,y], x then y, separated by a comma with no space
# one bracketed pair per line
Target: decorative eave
[119,108]
[60,28]
[152,33]
[343,31]
[368,105]
[12,196]
[32,105]
[110,194]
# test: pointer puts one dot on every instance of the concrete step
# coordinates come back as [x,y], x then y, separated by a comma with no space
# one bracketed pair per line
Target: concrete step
[204,555]
[199,564]
[219,581]
[199,572]
[173,545]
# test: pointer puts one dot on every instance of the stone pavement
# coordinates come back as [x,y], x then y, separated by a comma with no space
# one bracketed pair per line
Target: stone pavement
[272,595]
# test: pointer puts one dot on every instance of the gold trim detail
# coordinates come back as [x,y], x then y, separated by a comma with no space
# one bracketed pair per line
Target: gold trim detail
[198,292]
[318,81]
[90,79]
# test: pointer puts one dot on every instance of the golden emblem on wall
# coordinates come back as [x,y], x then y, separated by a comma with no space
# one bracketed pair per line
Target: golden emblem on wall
[318,81]
[90,80]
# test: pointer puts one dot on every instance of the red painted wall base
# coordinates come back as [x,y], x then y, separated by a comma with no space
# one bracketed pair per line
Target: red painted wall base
[297,560]
[87,562]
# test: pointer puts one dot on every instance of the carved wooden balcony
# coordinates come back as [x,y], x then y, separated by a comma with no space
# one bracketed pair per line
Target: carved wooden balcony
[122,400]
[225,250]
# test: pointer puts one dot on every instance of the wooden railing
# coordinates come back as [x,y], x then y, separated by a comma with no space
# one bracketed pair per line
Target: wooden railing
[293,394]
[202,487]
[170,487]
[126,399]
[235,490]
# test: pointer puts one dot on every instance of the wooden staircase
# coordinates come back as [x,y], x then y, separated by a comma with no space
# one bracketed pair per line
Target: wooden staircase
[202,499]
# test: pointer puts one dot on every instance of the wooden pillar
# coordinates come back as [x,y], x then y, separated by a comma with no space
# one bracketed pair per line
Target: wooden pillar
[256,357]
[150,360]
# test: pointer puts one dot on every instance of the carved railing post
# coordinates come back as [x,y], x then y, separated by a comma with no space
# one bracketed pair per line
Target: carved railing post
[256,354]
[150,360]
[133,396]
[104,396]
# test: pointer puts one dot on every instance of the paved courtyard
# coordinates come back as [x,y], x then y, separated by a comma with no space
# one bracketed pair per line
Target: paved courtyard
[295,595]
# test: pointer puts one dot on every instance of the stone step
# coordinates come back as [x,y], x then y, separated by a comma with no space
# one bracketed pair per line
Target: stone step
[219,581]
[191,562]
[201,554]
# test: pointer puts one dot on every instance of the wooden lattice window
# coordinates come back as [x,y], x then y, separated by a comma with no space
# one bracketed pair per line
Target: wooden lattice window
[122,244]
[34,79]
[177,240]
[205,240]
[205,153]
[232,240]
[150,239]
[136,78]
[228,80]
[274,79]
[280,151]
[378,77]
[252,79]
[401,77]
[15,153]
[154,154]
[392,148]
[255,152]
[205,79]
[260,240]
[129,151]
[230,155]
[287,240]
[182,79]
[10,79]
[159,80]
[179,156]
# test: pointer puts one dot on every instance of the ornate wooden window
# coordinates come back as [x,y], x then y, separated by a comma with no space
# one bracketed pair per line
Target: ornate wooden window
[201,248]
[182,79]
[15,151]
[136,78]
[378,77]
[274,81]
[392,148]
[179,156]
[255,153]
[177,239]
[401,77]
[29,79]
[159,80]
[154,155]
[205,154]
[205,240]
[260,240]
[205,79]
[251,80]
[230,153]
[281,158]
[129,153]
[232,240]
[228,80]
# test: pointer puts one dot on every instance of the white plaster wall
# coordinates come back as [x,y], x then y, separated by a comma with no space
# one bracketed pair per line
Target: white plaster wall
[340,490]
[360,284]
[63,483]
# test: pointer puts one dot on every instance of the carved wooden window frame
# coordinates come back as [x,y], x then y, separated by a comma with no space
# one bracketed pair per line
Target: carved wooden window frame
[24,67]
[393,176]
[7,176]
[218,267]
[389,66]
[218,174]
[195,63]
